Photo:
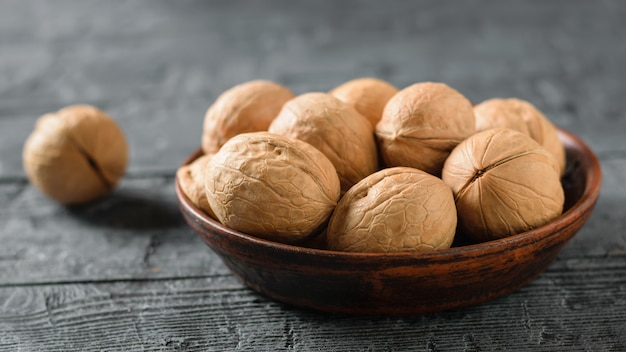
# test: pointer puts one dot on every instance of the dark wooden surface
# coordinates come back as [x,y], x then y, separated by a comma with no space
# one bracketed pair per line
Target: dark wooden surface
[127,274]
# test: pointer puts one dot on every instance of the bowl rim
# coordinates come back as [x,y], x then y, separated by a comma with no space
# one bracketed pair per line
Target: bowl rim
[587,199]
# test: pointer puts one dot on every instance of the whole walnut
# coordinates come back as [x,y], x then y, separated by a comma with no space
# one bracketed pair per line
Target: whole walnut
[191,180]
[367,95]
[394,210]
[76,154]
[270,186]
[504,183]
[524,117]
[421,124]
[334,128]
[247,107]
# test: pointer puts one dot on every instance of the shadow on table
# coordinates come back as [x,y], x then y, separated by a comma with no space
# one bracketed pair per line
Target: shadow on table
[130,210]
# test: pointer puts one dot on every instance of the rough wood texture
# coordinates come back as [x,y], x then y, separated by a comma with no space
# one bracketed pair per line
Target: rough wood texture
[216,313]
[126,274]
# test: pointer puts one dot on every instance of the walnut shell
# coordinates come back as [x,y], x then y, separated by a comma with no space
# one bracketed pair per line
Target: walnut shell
[393,210]
[524,117]
[76,154]
[367,95]
[334,128]
[504,183]
[270,186]
[191,180]
[421,124]
[247,107]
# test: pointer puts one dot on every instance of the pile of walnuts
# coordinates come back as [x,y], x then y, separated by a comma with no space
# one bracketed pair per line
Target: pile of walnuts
[371,168]
[365,167]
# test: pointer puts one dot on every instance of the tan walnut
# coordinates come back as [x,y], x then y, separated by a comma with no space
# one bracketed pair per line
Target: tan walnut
[76,154]
[272,187]
[422,123]
[334,128]
[394,210]
[191,180]
[367,95]
[524,117]
[504,183]
[247,107]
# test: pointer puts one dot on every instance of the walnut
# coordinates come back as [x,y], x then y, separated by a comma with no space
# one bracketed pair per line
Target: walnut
[504,183]
[270,186]
[421,124]
[334,128]
[76,154]
[191,180]
[393,210]
[521,116]
[247,107]
[367,95]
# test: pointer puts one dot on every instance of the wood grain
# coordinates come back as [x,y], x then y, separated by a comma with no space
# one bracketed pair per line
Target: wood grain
[125,273]
[157,66]
[578,302]
[137,232]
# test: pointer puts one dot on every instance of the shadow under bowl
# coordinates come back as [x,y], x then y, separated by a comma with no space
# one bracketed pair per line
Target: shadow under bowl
[404,283]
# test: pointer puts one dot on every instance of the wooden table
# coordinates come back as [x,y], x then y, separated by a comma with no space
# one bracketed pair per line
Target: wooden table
[127,274]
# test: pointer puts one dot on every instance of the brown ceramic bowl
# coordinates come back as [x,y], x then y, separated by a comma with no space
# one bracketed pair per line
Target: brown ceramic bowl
[404,283]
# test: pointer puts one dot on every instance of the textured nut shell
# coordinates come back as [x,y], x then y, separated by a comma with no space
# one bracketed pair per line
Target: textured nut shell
[394,210]
[75,155]
[272,187]
[247,107]
[191,179]
[504,183]
[422,124]
[367,95]
[334,128]
[521,116]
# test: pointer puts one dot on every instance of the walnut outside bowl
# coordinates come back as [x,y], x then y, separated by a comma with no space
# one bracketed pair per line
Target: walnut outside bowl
[404,283]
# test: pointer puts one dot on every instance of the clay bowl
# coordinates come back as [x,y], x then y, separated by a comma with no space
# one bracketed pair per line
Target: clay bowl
[404,283]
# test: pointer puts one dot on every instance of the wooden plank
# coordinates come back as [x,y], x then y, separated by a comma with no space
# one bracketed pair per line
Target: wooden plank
[604,232]
[126,273]
[576,305]
[157,67]
[137,232]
